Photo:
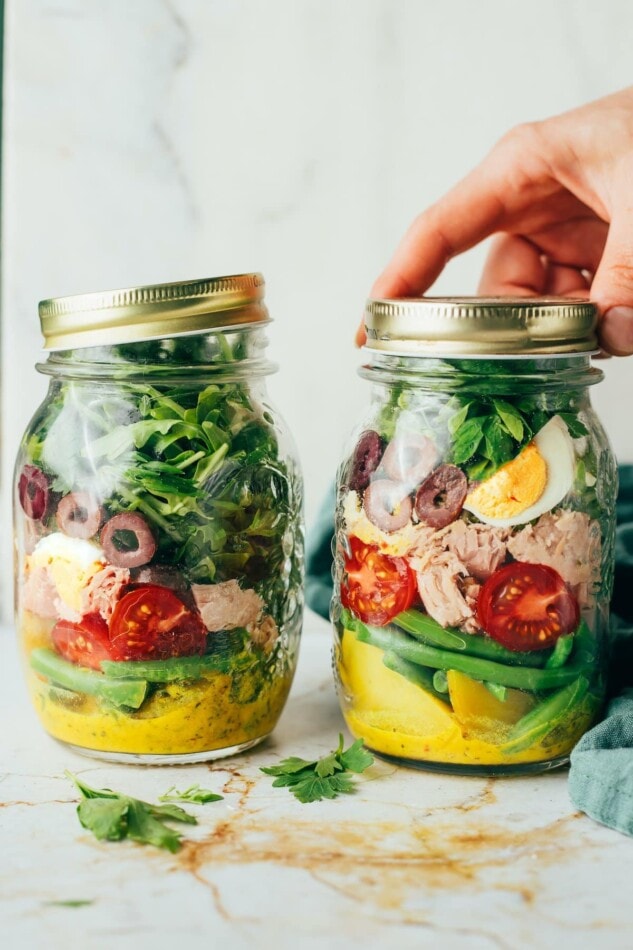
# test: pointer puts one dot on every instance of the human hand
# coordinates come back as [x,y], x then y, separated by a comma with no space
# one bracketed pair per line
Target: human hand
[559,193]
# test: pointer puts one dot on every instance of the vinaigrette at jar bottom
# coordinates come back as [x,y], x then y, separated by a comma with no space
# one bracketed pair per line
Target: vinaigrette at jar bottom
[159,547]
[474,562]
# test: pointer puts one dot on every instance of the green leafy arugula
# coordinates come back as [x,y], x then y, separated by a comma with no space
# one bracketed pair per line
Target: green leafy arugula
[313,781]
[194,794]
[111,816]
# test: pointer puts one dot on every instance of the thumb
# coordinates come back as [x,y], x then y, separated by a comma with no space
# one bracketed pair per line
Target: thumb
[612,287]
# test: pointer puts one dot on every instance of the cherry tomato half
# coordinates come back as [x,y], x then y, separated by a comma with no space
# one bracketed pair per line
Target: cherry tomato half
[376,587]
[86,642]
[151,623]
[527,607]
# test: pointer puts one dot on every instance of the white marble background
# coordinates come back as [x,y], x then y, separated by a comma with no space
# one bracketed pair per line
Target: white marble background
[154,140]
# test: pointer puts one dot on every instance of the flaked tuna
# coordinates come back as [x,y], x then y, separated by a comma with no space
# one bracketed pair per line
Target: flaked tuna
[225,606]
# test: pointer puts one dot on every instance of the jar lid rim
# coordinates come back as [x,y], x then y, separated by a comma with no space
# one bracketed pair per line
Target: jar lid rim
[153,311]
[429,326]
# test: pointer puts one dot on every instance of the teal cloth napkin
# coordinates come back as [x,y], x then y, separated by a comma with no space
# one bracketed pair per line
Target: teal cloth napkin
[601,771]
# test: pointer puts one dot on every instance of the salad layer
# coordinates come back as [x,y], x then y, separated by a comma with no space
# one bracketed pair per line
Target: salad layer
[473,571]
[159,566]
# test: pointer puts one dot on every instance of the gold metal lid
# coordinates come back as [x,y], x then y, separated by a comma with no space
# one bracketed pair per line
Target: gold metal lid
[153,312]
[481,326]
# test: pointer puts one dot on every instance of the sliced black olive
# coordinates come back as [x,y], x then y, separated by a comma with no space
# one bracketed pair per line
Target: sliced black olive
[387,505]
[441,496]
[33,492]
[365,460]
[127,540]
[79,515]
[409,458]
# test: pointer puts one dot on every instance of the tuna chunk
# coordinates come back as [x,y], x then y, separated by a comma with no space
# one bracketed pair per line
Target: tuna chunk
[439,574]
[570,543]
[451,564]
[479,547]
[225,606]
[103,591]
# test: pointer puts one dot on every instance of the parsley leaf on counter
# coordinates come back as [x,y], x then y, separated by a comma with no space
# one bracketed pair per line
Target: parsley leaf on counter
[195,794]
[111,816]
[313,781]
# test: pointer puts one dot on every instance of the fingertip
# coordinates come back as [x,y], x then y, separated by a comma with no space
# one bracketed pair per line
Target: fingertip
[615,331]
[361,336]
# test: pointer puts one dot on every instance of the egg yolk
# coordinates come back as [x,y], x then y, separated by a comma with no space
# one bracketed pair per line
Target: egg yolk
[516,486]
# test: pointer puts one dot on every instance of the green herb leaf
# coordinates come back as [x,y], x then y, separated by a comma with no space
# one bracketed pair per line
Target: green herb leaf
[467,440]
[322,779]
[195,794]
[458,418]
[356,758]
[315,789]
[576,428]
[288,766]
[111,816]
[105,817]
[511,418]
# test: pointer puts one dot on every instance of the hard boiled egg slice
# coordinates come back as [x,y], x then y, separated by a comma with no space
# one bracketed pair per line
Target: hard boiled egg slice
[531,484]
[70,562]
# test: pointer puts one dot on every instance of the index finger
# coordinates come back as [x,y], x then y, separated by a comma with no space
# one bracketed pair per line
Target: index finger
[479,205]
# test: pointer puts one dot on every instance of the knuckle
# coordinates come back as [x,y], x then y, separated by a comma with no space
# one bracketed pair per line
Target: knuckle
[525,137]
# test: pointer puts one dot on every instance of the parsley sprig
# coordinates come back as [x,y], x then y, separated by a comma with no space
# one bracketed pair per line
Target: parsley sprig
[111,816]
[313,781]
[195,794]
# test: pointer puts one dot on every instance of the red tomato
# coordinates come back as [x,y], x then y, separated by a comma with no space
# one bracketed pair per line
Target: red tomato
[86,643]
[151,623]
[527,607]
[376,587]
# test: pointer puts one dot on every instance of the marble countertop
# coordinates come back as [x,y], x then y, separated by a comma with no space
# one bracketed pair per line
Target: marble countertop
[413,859]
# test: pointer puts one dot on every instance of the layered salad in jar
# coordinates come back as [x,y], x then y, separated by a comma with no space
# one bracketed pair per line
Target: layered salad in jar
[473,571]
[159,555]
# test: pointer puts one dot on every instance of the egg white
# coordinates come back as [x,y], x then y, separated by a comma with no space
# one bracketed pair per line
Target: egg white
[70,562]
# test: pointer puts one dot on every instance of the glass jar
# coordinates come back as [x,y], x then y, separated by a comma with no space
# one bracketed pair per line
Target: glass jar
[158,526]
[475,536]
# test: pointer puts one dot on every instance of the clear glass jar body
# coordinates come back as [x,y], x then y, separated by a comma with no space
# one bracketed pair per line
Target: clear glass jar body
[474,562]
[159,549]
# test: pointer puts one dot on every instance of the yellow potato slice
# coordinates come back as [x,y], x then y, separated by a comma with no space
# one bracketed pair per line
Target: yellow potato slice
[386,700]
[476,707]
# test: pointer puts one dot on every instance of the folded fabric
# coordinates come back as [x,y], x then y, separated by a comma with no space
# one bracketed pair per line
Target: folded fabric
[601,772]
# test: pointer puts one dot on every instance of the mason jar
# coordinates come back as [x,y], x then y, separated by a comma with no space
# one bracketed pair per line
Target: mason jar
[475,536]
[158,525]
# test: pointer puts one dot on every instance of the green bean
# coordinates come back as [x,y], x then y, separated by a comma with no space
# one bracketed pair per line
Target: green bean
[81,680]
[547,716]
[424,628]
[560,653]
[518,677]
[429,631]
[167,671]
[440,681]
[417,675]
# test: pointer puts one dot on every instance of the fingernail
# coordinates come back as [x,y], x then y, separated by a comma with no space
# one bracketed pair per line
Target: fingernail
[616,331]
